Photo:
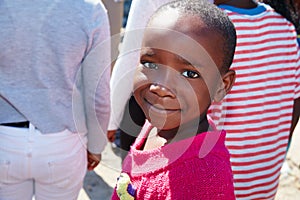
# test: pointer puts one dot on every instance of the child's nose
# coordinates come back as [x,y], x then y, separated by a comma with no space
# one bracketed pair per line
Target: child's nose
[161,90]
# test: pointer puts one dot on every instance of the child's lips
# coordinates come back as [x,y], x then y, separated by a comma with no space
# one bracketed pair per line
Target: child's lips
[160,108]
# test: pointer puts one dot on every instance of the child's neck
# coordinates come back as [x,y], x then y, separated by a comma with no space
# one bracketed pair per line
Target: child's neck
[158,138]
[185,130]
[246,4]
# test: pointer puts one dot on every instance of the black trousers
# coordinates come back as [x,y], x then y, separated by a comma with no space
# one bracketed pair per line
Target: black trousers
[131,125]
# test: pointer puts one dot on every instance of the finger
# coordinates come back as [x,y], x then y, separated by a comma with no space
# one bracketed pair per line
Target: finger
[111,135]
[92,157]
[113,138]
[92,165]
[110,139]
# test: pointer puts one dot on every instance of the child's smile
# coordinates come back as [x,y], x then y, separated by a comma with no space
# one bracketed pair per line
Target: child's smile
[160,108]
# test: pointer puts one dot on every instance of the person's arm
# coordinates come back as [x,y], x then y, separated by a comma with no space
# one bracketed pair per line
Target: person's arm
[296,107]
[296,115]
[95,81]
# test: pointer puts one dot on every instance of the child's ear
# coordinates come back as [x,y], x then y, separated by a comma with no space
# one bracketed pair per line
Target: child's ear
[226,85]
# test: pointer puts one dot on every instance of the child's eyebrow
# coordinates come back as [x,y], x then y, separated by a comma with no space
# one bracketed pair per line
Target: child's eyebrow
[184,61]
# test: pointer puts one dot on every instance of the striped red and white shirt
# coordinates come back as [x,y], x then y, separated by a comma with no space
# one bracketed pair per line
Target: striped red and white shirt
[257,112]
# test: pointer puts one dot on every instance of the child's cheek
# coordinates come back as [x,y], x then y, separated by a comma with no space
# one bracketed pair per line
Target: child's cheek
[140,78]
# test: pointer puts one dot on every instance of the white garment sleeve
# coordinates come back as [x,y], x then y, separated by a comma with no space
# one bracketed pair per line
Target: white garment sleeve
[95,78]
[123,73]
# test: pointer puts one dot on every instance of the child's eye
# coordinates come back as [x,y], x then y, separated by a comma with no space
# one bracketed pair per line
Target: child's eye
[190,74]
[150,65]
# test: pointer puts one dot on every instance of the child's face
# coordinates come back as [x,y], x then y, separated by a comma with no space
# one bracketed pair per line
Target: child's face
[177,78]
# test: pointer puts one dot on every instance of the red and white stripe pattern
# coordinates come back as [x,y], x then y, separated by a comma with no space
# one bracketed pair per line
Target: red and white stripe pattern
[257,112]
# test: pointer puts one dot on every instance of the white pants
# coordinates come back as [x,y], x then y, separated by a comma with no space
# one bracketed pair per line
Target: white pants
[47,166]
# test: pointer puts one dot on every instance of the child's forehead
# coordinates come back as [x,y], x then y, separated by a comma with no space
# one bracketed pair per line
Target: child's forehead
[175,25]
[186,36]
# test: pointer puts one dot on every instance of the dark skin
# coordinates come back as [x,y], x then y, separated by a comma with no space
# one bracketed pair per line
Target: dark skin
[163,137]
[93,160]
[238,3]
[111,135]
[296,115]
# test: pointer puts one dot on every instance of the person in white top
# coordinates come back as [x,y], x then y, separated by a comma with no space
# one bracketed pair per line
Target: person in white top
[54,96]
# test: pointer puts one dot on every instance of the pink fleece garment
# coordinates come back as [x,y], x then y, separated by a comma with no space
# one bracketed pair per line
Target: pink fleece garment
[194,168]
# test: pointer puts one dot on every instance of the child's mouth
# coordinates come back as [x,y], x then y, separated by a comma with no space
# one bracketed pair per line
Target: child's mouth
[159,108]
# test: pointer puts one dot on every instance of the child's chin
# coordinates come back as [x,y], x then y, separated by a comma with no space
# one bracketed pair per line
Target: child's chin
[163,126]
[159,125]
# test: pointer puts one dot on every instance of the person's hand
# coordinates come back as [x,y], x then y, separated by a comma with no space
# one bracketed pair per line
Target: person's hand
[111,135]
[93,160]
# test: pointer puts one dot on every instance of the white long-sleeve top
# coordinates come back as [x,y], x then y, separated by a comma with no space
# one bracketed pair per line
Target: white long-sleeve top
[122,76]
[55,66]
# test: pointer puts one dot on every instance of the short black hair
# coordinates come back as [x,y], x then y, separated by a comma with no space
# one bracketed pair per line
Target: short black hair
[215,19]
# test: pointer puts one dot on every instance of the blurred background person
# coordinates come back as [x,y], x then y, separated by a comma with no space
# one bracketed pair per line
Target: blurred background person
[54,96]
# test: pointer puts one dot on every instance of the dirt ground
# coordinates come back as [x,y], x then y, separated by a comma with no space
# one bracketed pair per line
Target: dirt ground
[99,184]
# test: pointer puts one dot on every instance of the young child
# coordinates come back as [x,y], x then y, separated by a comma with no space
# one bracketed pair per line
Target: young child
[187,50]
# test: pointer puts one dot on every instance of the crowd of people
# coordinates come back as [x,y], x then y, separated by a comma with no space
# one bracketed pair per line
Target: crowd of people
[204,96]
